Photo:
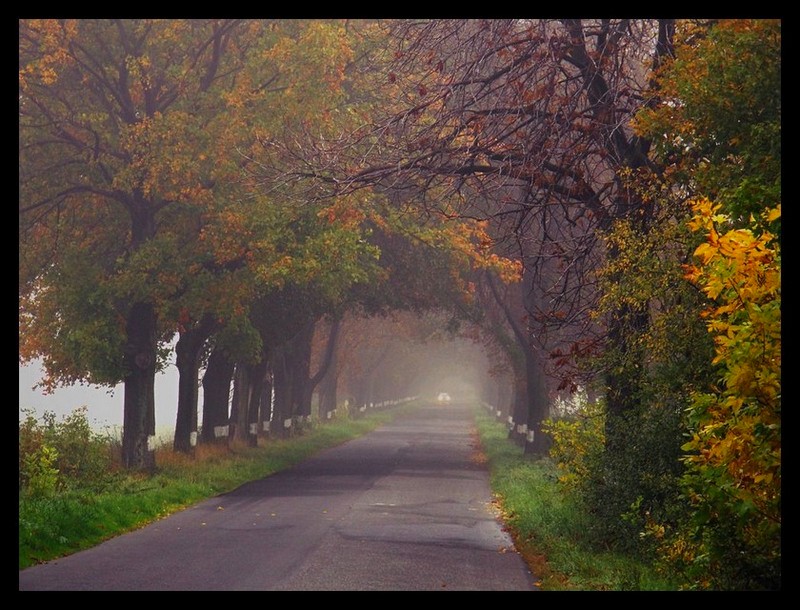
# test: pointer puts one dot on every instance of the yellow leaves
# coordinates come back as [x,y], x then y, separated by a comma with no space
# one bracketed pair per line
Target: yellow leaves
[743,377]
[774,214]
[311,60]
[705,252]
[739,266]
[737,438]
[164,161]
[763,478]
[576,442]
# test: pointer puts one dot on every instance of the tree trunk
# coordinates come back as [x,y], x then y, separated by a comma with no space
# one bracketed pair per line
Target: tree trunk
[282,380]
[326,375]
[505,395]
[365,386]
[625,327]
[536,441]
[265,410]
[187,359]
[369,396]
[328,389]
[531,401]
[216,396]
[623,388]
[256,375]
[359,389]
[301,363]
[139,420]
[241,400]
[519,408]
[139,357]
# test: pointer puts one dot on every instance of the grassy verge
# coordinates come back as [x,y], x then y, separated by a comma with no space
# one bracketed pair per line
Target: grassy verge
[69,521]
[548,528]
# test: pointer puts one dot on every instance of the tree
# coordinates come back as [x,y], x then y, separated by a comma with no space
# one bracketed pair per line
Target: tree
[718,133]
[524,124]
[285,320]
[188,351]
[121,155]
[638,482]
[697,150]
[324,355]
[496,332]
[718,126]
[528,410]
[217,381]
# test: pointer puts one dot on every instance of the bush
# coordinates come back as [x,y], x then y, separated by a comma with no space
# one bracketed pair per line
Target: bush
[578,436]
[732,538]
[625,489]
[39,473]
[62,454]
[638,480]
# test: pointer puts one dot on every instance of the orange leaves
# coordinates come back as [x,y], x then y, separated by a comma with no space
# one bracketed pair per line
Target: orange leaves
[44,49]
[509,270]
[227,236]
[469,239]
[480,243]
[343,212]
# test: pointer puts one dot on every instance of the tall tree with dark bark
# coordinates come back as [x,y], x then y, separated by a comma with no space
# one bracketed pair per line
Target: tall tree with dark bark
[217,380]
[326,377]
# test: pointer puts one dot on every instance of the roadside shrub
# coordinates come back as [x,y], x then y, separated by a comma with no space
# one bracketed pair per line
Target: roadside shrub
[63,454]
[638,480]
[731,540]
[625,489]
[31,440]
[39,473]
[578,433]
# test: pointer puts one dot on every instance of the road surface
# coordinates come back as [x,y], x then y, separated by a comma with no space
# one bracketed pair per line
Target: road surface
[404,508]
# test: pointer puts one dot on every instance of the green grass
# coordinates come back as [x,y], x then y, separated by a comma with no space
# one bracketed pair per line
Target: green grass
[548,528]
[70,521]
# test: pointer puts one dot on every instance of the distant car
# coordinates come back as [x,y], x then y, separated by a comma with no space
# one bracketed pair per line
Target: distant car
[443,398]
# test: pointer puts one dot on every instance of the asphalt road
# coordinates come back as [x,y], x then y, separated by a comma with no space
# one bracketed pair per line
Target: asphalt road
[404,508]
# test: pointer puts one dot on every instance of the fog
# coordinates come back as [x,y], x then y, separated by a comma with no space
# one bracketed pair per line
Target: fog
[104,405]
[456,367]
[457,370]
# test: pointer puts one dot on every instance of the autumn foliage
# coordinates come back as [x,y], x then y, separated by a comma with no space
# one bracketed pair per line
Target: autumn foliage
[699,473]
[733,478]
